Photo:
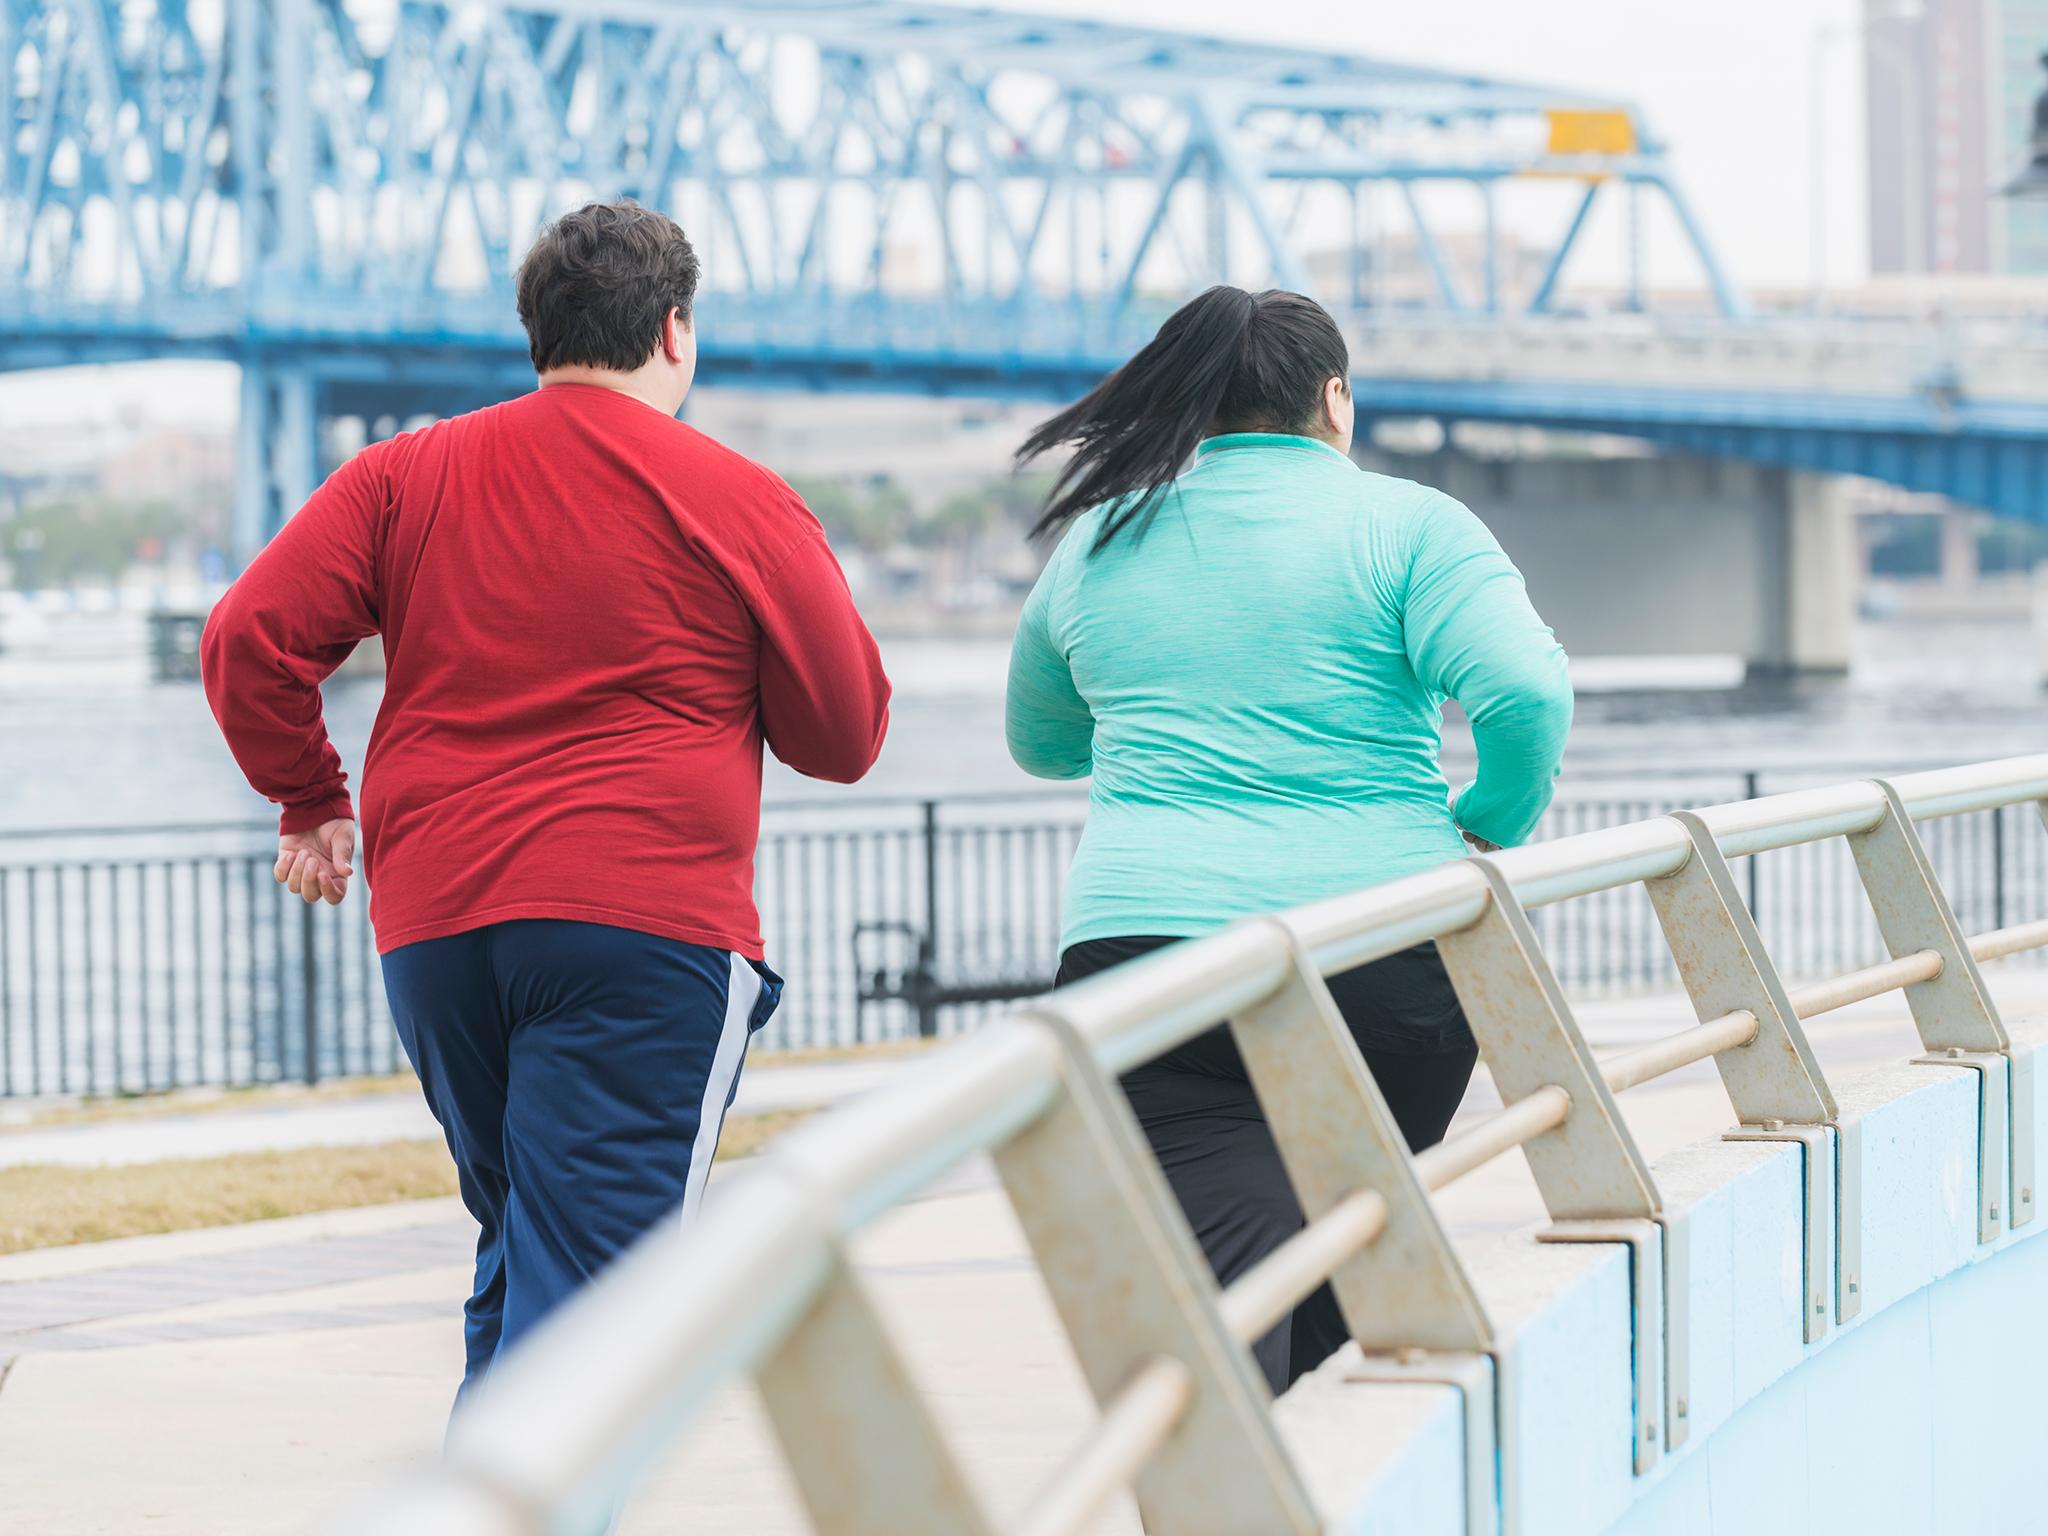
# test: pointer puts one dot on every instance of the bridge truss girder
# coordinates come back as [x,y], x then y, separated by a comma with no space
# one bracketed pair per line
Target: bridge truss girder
[378,159]
[334,194]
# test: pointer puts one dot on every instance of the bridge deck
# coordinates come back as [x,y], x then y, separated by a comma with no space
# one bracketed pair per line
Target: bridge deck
[254,1376]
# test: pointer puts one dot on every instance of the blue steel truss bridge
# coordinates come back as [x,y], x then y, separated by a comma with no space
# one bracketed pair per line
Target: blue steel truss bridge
[334,194]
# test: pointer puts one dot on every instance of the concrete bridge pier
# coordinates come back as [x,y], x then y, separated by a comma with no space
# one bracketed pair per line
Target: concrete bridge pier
[276,449]
[1808,632]
[1670,556]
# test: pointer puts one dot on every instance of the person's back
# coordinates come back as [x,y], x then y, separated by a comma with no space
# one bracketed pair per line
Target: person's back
[593,618]
[577,593]
[1254,669]
[1250,655]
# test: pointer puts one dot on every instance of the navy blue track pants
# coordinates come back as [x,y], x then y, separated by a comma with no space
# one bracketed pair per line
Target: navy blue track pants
[582,1074]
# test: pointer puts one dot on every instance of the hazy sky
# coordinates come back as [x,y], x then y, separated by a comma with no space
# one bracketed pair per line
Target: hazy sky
[1728,85]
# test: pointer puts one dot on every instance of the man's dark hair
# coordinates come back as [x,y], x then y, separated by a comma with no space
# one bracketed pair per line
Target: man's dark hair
[598,283]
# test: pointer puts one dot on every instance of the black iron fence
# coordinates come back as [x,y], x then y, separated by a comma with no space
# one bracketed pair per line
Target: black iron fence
[139,959]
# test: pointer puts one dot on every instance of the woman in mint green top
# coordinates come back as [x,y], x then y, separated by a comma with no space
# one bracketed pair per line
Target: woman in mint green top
[1247,641]
[1257,688]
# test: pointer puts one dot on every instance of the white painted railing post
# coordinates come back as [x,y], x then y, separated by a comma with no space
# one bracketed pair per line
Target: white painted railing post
[1588,1168]
[1132,1288]
[858,1436]
[1589,1171]
[1774,1083]
[1405,1296]
[1406,1289]
[1725,969]
[1953,1011]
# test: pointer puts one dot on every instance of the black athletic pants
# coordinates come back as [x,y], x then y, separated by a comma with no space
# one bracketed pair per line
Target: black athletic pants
[1210,1135]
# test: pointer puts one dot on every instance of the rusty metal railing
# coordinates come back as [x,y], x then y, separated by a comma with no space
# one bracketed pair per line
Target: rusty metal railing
[762,1283]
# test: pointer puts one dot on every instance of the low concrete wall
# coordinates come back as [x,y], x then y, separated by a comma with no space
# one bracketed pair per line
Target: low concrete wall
[1920,1414]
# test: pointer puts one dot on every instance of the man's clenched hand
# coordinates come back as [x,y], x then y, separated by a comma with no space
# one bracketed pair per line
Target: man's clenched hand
[316,864]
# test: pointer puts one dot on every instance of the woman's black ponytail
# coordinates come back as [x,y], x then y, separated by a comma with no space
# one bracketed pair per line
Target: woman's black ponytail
[1226,360]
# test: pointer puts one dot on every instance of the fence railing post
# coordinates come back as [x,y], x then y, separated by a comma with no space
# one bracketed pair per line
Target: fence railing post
[1725,968]
[1998,866]
[1953,1011]
[1589,1167]
[1337,1137]
[1407,1291]
[1589,1171]
[927,1010]
[1752,788]
[309,993]
[860,1440]
[1130,1285]
[1774,1083]
[7,994]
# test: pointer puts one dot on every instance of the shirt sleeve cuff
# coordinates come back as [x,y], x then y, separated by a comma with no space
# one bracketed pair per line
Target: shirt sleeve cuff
[1473,815]
[314,813]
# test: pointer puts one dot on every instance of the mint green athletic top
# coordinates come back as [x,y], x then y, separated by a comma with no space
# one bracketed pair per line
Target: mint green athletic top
[1257,685]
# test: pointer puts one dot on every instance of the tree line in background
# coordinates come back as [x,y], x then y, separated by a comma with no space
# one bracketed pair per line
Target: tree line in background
[84,540]
[90,541]
[879,516]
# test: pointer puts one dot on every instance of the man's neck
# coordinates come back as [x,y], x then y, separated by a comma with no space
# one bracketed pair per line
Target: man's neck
[639,385]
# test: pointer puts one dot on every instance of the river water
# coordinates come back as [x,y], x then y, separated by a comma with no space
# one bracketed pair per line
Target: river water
[86,739]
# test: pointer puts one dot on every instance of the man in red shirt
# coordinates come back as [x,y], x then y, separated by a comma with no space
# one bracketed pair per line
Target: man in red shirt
[593,617]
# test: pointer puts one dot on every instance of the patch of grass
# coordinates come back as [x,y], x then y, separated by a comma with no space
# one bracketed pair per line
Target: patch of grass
[44,1206]
[744,1135]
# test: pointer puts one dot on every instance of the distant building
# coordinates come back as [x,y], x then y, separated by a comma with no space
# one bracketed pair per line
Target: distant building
[184,468]
[2019,230]
[1949,96]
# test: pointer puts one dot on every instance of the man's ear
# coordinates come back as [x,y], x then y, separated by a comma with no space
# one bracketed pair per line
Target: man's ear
[672,327]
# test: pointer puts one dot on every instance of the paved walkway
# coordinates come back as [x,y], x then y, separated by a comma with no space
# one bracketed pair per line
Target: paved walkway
[215,1131]
[248,1379]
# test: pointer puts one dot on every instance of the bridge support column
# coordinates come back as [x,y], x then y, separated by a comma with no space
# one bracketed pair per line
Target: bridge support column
[277,460]
[2041,623]
[1811,593]
[1669,556]
[1959,566]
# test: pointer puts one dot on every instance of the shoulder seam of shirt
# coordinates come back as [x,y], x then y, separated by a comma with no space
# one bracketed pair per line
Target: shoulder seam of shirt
[808,536]
[1057,600]
[1417,507]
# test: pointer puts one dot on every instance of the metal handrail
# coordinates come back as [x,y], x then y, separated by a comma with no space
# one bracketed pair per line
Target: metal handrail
[1258,1299]
[1871,981]
[1133,1425]
[2000,942]
[569,1416]
[1729,1032]
[1498,1134]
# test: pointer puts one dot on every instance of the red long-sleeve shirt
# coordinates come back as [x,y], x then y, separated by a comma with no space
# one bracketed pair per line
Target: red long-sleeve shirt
[592,617]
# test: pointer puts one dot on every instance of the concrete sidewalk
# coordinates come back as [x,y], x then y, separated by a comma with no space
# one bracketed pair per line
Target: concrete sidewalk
[250,1379]
[216,1131]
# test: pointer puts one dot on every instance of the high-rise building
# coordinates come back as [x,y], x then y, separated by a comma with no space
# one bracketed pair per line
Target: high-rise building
[2019,230]
[1949,93]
